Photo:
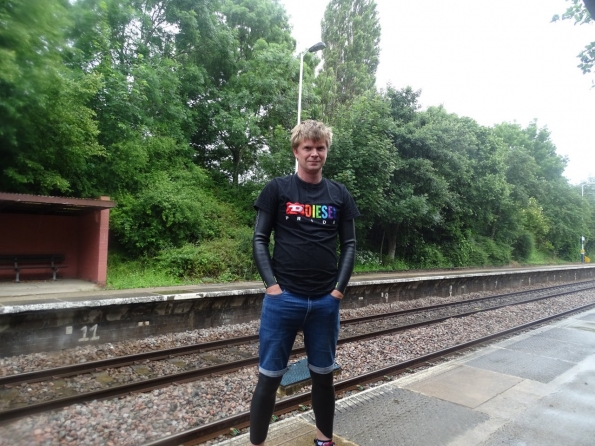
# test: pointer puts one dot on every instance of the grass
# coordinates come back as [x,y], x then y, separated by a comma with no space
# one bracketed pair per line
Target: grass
[127,274]
[541,258]
[145,273]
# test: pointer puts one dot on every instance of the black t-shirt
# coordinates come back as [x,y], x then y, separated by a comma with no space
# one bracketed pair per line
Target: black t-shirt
[306,225]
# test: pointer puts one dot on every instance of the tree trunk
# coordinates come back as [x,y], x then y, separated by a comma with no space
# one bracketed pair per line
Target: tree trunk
[393,233]
[236,157]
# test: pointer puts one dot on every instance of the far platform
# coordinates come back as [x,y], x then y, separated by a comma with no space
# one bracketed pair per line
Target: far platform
[54,315]
[62,293]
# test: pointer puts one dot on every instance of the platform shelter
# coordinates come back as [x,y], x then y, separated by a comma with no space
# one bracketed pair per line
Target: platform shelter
[53,237]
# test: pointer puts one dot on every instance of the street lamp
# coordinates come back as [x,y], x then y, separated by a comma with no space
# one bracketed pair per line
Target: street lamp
[316,47]
[583,188]
[582,237]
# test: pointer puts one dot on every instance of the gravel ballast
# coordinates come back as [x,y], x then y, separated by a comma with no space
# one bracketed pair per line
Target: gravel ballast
[136,419]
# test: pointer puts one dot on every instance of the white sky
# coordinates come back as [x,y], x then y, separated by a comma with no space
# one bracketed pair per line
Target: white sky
[494,61]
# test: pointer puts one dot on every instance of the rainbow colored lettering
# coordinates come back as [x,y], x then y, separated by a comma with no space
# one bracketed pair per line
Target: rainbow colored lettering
[321,211]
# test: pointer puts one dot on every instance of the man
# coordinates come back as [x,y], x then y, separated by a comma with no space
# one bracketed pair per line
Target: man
[304,284]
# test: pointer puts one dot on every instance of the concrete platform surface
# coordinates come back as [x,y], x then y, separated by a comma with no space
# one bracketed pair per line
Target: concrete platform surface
[41,294]
[27,288]
[536,389]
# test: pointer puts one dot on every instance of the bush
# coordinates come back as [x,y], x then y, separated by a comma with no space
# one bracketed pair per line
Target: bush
[366,260]
[477,251]
[498,253]
[430,256]
[224,260]
[173,209]
[523,246]
[477,256]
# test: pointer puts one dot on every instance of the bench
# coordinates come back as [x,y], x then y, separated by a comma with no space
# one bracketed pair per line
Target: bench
[17,262]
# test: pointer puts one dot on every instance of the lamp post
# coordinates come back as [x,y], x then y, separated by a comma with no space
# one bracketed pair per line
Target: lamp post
[583,188]
[582,237]
[316,47]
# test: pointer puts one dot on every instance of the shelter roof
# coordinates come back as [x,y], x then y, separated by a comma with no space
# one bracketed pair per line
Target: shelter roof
[40,204]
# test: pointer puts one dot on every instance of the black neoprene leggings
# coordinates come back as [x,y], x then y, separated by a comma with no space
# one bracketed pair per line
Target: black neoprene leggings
[263,404]
[323,401]
[262,407]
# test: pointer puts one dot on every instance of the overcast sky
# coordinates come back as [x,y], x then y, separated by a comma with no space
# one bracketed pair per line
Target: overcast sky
[494,61]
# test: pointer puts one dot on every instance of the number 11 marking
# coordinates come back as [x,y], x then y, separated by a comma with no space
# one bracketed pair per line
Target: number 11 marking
[85,338]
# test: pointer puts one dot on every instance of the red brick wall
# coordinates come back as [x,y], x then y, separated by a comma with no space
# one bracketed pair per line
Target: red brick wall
[93,246]
[40,234]
[81,238]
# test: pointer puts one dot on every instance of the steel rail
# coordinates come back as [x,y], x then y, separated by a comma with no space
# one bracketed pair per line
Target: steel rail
[192,375]
[241,420]
[463,302]
[122,361]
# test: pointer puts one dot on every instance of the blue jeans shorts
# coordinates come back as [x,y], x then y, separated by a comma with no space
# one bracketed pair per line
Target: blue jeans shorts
[283,315]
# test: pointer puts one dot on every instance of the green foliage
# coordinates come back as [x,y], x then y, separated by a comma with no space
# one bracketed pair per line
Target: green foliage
[523,246]
[224,259]
[143,272]
[477,256]
[581,15]
[361,156]
[367,260]
[351,32]
[169,211]
[497,253]
[278,160]
[544,258]
[128,98]
[536,223]
[462,251]
[43,104]
[430,256]
[245,105]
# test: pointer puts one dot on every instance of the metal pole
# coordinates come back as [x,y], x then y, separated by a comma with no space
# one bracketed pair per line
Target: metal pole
[583,237]
[316,47]
[299,113]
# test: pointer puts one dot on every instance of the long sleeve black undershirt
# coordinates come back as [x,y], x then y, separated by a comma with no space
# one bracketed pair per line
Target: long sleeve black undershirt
[260,247]
[262,235]
[347,259]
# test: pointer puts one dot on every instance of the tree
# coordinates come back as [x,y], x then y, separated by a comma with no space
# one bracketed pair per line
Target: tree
[362,155]
[542,195]
[416,195]
[449,186]
[129,44]
[581,12]
[351,32]
[240,108]
[47,131]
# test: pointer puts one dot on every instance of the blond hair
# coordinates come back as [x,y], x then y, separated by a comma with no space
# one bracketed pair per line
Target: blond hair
[312,130]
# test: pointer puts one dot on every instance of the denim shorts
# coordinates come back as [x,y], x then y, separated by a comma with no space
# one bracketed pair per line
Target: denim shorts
[283,315]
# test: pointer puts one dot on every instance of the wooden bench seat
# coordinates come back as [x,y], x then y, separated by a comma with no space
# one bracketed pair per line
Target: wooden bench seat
[18,262]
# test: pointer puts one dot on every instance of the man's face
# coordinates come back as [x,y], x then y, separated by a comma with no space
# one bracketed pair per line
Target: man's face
[311,155]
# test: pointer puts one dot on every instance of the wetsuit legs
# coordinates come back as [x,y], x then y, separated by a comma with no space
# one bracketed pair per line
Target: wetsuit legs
[262,407]
[323,401]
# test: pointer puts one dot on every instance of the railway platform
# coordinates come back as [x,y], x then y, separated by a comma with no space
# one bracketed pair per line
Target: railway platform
[535,389]
[44,294]
[40,316]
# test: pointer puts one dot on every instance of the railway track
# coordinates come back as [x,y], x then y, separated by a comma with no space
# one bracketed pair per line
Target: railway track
[191,375]
[232,424]
[469,306]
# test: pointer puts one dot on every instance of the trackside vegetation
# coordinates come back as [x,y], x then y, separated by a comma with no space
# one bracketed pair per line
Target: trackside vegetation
[181,111]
